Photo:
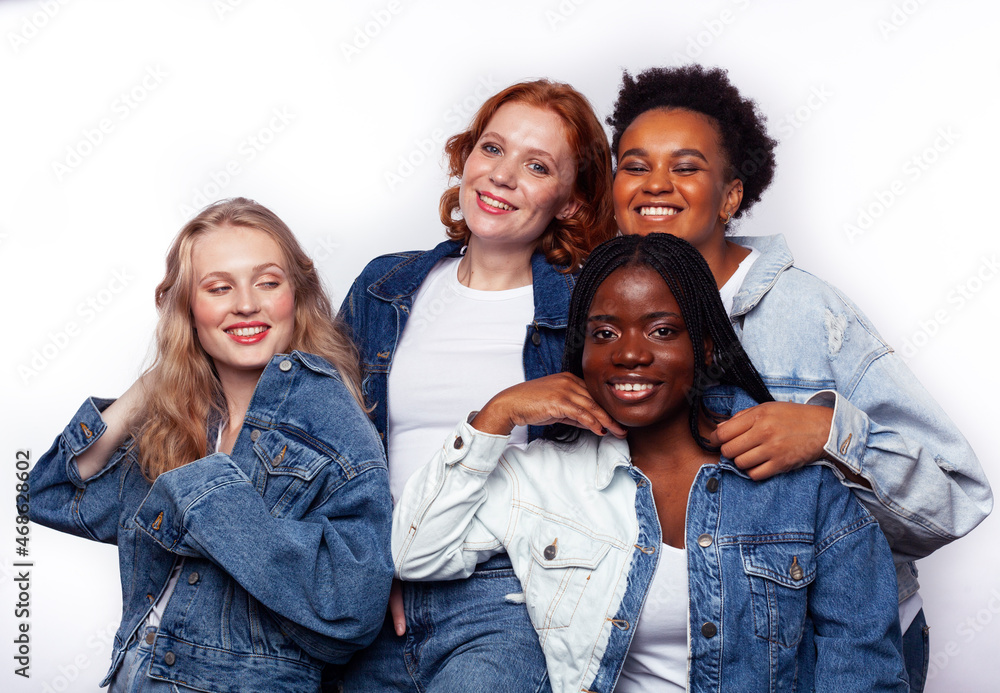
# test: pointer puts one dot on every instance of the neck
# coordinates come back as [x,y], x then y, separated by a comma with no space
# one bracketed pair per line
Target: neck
[723,257]
[238,387]
[669,449]
[495,267]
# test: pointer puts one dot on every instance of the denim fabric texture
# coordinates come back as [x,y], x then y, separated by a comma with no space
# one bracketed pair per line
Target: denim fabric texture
[378,305]
[470,632]
[811,344]
[792,584]
[285,541]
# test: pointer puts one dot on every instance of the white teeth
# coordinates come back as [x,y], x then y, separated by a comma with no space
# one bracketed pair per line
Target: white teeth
[247,331]
[494,203]
[657,211]
[633,387]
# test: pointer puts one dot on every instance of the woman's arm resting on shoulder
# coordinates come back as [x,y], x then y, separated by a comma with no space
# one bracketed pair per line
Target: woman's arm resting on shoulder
[325,576]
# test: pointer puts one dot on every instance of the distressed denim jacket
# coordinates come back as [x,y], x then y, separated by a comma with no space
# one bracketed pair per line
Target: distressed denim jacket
[285,542]
[791,583]
[378,305]
[811,344]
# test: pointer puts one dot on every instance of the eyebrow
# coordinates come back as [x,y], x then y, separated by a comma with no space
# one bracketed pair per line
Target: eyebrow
[638,151]
[257,269]
[647,316]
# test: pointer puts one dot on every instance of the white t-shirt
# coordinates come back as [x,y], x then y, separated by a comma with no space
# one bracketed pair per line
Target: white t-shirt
[460,347]
[658,657]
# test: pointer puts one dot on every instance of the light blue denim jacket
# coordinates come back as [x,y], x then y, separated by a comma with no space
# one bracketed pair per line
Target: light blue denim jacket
[791,583]
[285,541]
[811,344]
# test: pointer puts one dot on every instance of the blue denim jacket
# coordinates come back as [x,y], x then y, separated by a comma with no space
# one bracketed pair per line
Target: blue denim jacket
[811,344]
[791,583]
[378,305]
[285,541]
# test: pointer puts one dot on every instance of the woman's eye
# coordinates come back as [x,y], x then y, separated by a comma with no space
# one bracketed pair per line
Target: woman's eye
[664,332]
[538,168]
[686,169]
[221,289]
[269,284]
[603,333]
[633,168]
[491,149]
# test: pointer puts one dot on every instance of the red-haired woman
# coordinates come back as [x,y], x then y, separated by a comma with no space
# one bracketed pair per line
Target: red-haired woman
[441,331]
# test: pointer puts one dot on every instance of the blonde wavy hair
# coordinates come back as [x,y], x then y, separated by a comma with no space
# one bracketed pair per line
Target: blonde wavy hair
[181,388]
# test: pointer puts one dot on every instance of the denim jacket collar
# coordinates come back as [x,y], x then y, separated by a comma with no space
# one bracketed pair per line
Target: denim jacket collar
[552,290]
[775,259]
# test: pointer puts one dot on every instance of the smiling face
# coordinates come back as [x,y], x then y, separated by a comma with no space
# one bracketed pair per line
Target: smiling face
[242,302]
[518,177]
[671,178]
[638,363]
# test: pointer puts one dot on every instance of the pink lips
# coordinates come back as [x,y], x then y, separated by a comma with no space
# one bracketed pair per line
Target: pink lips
[489,208]
[248,339]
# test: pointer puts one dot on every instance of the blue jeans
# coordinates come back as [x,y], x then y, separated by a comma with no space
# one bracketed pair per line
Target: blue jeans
[916,652]
[131,677]
[461,635]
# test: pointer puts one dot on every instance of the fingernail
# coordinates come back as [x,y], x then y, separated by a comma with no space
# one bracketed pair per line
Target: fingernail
[603,430]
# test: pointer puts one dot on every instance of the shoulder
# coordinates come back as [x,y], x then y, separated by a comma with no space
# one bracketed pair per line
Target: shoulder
[406,265]
[319,407]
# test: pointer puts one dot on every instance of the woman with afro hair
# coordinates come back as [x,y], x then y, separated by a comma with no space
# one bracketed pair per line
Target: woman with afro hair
[692,154]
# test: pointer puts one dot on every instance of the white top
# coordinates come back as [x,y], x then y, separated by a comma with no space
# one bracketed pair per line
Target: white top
[460,347]
[728,291]
[658,657]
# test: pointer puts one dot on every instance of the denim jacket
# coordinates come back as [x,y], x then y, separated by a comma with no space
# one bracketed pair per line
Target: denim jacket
[285,542]
[791,583]
[378,305]
[811,344]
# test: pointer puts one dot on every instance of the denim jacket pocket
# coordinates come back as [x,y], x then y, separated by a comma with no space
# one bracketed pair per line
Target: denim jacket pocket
[562,561]
[291,466]
[779,573]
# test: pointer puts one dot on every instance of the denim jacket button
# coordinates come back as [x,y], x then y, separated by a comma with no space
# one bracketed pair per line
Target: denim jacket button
[550,550]
[193,577]
[705,540]
[536,338]
[709,630]
[712,485]
[169,659]
[254,435]
[150,637]
[285,365]
[459,442]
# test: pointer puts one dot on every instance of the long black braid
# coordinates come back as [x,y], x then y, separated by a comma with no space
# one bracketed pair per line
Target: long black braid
[693,286]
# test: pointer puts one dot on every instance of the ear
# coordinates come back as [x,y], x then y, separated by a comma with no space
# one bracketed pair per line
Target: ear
[571,207]
[732,199]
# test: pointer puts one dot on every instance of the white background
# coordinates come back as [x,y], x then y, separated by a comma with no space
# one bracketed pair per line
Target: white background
[367,92]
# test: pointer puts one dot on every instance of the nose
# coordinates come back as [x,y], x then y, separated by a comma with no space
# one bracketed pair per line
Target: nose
[632,350]
[659,180]
[503,173]
[246,302]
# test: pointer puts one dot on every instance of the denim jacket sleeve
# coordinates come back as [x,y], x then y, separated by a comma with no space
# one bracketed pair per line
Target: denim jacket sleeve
[308,572]
[855,616]
[60,499]
[436,532]
[927,486]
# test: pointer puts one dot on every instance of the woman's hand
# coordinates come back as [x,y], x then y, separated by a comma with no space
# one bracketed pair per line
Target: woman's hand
[559,398]
[116,417]
[774,437]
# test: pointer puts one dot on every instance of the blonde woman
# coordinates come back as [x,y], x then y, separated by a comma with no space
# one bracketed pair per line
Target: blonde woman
[239,476]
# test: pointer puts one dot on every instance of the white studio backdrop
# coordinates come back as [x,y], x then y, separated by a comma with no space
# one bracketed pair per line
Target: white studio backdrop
[121,119]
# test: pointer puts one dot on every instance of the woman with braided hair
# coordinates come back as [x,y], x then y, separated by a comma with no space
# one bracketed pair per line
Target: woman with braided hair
[692,154]
[641,566]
